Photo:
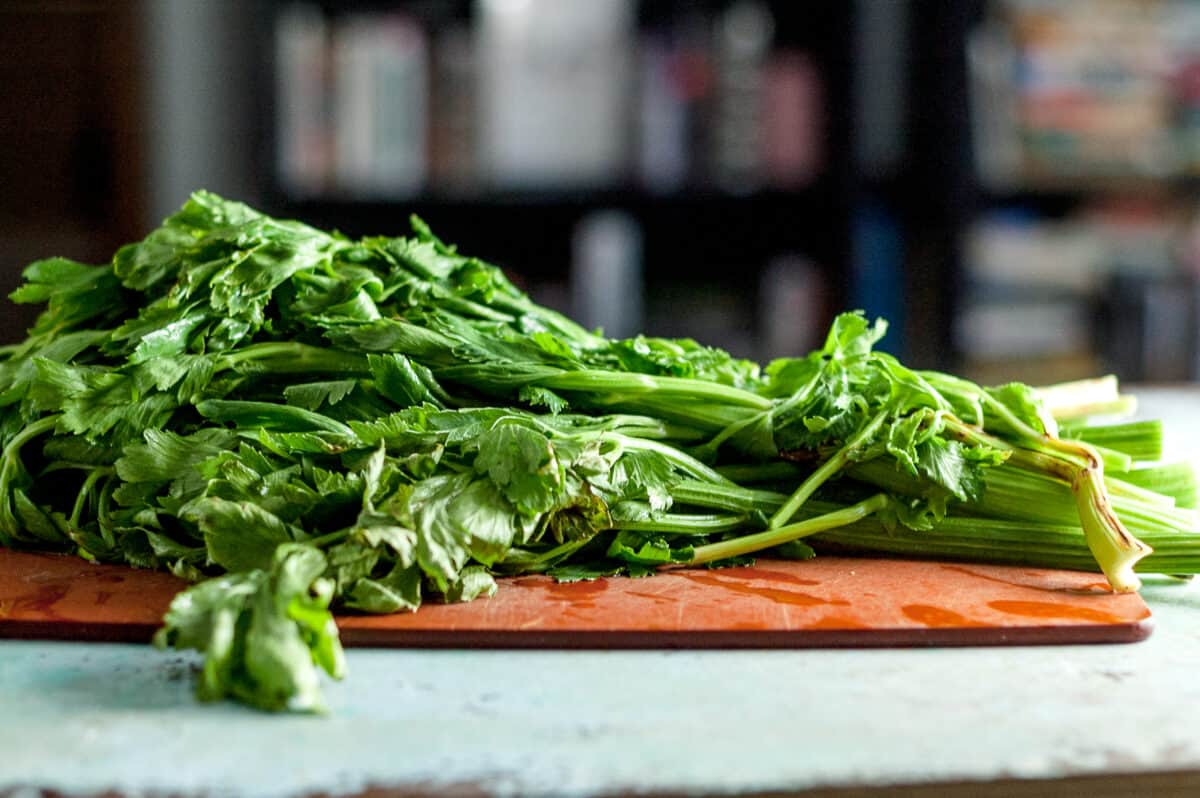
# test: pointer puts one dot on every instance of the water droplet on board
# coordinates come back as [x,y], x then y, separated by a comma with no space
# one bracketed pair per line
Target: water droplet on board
[40,602]
[765,574]
[793,597]
[1048,610]
[577,594]
[936,617]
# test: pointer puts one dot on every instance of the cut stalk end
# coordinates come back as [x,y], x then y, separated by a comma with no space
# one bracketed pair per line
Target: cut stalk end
[1116,550]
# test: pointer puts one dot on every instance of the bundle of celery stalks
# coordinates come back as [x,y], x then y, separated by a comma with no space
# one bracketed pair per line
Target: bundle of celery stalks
[297,421]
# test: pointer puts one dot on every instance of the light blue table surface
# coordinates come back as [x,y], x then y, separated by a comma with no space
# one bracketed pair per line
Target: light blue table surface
[89,718]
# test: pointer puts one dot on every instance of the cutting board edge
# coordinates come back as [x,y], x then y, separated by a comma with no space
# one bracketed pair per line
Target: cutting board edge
[895,637]
[77,631]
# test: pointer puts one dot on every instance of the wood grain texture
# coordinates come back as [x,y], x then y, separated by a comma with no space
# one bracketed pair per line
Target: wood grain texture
[826,602]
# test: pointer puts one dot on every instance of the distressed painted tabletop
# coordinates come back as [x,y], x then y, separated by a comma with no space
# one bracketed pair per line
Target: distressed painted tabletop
[83,719]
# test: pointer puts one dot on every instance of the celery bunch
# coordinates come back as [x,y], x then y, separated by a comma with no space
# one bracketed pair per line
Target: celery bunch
[299,421]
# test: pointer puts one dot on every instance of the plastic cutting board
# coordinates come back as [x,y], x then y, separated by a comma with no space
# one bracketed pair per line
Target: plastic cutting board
[826,602]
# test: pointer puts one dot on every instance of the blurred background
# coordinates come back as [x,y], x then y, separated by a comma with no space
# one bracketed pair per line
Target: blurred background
[1014,184]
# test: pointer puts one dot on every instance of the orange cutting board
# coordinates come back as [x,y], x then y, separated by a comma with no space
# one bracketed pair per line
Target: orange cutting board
[826,602]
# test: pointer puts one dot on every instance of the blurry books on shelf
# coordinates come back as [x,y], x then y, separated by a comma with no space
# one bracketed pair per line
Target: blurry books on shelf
[1029,327]
[1057,298]
[380,92]
[1153,327]
[544,96]
[793,124]
[351,103]
[1187,90]
[303,135]
[673,82]
[606,284]
[452,110]
[553,82]
[1032,287]
[742,45]
[793,307]
[720,105]
[1095,103]
[1066,93]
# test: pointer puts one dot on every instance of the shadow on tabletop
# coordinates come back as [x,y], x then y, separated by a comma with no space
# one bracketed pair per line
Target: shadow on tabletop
[103,676]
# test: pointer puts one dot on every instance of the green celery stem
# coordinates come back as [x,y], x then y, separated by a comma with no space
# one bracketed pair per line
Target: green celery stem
[600,380]
[785,534]
[827,469]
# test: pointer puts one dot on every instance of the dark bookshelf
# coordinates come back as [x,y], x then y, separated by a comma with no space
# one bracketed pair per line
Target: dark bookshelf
[685,234]
[72,138]
[696,233]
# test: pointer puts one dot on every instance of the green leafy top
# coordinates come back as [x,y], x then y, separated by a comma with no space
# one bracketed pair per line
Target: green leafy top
[303,419]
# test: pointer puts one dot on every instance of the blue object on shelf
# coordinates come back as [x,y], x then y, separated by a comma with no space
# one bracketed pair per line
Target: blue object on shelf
[877,270]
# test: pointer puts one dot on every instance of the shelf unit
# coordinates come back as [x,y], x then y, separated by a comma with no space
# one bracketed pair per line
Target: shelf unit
[695,233]
[1101,202]
[73,143]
